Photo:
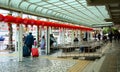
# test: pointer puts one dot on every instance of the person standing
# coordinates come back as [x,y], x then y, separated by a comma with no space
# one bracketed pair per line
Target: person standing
[110,35]
[52,40]
[29,41]
[99,36]
[42,45]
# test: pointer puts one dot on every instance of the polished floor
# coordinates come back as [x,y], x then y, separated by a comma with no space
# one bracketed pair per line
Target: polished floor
[8,64]
[110,62]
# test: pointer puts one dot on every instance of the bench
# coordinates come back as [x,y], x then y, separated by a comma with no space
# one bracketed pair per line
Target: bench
[68,48]
[90,48]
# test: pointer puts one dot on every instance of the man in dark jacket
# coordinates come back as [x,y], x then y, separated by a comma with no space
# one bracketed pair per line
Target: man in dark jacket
[52,39]
[29,41]
[110,35]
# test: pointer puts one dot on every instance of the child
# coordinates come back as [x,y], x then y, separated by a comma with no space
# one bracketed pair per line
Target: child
[35,42]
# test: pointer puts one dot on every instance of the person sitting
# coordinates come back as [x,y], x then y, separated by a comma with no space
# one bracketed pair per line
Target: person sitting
[76,39]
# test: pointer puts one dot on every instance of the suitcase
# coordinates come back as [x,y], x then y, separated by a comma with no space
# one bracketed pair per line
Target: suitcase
[35,52]
[26,51]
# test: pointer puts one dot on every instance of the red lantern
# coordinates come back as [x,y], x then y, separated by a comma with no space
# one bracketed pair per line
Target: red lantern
[50,24]
[1,17]
[46,23]
[9,18]
[18,20]
[26,21]
[32,21]
[55,25]
[43,23]
[38,22]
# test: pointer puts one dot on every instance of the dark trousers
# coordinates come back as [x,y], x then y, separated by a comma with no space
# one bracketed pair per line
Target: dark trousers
[110,40]
[30,47]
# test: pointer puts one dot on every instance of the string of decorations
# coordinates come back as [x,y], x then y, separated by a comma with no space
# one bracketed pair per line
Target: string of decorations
[27,21]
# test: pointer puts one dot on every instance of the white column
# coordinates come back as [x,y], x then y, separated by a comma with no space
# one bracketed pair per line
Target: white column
[91,36]
[48,40]
[60,35]
[37,36]
[19,40]
[66,34]
[72,36]
[16,40]
[42,31]
[88,35]
[63,36]
[50,30]
[75,33]
[79,35]
[20,43]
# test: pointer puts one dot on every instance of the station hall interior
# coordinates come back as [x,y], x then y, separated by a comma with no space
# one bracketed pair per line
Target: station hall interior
[67,35]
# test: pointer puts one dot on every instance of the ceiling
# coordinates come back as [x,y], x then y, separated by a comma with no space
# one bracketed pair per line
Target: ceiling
[113,8]
[71,11]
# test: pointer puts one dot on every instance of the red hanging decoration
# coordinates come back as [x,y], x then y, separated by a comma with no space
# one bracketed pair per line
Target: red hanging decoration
[18,20]
[49,24]
[26,21]
[43,23]
[55,25]
[9,18]
[38,22]
[1,17]
[32,21]
[52,24]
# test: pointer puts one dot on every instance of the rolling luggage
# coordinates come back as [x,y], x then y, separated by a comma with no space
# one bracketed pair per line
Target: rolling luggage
[26,51]
[35,52]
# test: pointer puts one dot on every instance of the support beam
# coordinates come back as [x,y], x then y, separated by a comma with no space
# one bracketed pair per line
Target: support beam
[101,2]
[115,8]
[112,20]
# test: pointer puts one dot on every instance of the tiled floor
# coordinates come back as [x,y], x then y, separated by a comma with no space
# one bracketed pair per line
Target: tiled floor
[38,64]
[9,63]
[112,60]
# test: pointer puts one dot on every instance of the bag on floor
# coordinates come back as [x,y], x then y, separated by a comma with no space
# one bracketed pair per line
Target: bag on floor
[35,52]
[26,51]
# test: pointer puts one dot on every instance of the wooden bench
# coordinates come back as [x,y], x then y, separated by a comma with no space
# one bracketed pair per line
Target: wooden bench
[91,47]
[68,48]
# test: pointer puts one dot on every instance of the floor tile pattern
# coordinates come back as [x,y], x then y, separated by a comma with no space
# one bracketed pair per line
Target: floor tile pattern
[34,65]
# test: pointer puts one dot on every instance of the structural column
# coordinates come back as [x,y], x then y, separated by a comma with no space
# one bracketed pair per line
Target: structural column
[73,35]
[37,36]
[63,36]
[20,41]
[60,36]
[79,37]
[48,41]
